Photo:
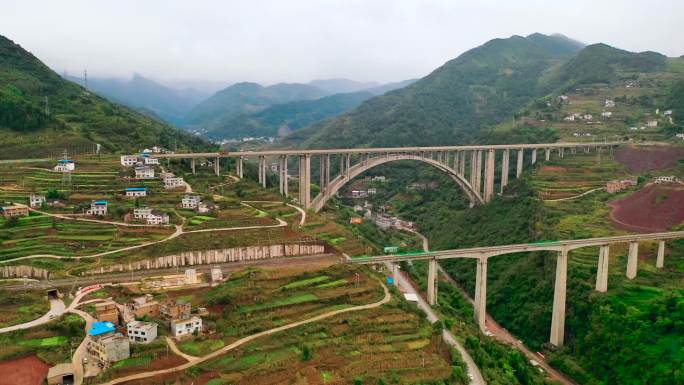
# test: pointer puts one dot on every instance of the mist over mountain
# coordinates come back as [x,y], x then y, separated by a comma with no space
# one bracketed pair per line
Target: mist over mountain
[341,85]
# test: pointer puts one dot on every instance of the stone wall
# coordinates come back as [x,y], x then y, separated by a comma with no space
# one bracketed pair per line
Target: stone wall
[23,271]
[208,257]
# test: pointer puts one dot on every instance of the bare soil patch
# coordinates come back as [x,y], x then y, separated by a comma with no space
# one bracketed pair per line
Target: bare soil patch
[23,371]
[554,169]
[650,158]
[653,208]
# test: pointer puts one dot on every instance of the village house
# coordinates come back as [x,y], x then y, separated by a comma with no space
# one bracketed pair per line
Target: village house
[61,374]
[667,113]
[65,165]
[36,200]
[107,312]
[652,123]
[680,136]
[610,103]
[106,345]
[156,149]
[216,274]
[606,114]
[97,208]
[665,179]
[171,310]
[190,201]
[147,159]
[173,182]
[204,208]
[134,192]
[359,194]
[141,212]
[141,332]
[616,185]
[15,210]
[144,172]
[569,118]
[563,99]
[144,306]
[588,117]
[157,218]
[183,327]
[379,178]
[129,160]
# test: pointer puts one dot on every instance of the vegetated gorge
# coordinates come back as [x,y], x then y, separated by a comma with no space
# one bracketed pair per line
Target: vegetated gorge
[515,90]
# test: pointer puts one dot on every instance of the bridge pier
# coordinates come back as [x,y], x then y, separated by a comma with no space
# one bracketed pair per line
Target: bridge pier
[461,166]
[489,175]
[239,167]
[480,300]
[262,171]
[559,294]
[457,154]
[660,259]
[217,167]
[478,172]
[505,168]
[192,165]
[432,282]
[473,168]
[602,272]
[305,181]
[395,273]
[347,164]
[282,175]
[548,154]
[534,156]
[519,168]
[632,258]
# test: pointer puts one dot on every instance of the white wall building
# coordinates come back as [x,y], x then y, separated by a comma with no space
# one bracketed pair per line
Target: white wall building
[150,160]
[97,208]
[129,160]
[173,182]
[606,114]
[133,192]
[65,165]
[141,332]
[190,201]
[157,218]
[141,212]
[36,200]
[652,123]
[610,103]
[185,327]
[665,179]
[144,172]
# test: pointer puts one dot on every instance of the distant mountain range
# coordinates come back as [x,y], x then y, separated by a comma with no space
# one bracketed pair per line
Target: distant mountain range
[41,112]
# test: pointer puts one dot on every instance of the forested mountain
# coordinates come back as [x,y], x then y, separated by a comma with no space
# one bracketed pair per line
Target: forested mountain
[147,95]
[40,111]
[282,119]
[246,98]
[342,86]
[480,88]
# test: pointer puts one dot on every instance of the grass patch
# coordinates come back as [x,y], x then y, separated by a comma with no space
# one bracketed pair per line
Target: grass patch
[297,299]
[43,342]
[305,282]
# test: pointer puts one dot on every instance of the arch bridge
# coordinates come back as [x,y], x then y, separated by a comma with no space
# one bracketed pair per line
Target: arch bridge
[471,167]
[562,248]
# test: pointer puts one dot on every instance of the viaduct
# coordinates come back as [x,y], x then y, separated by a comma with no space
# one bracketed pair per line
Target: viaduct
[464,164]
[482,254]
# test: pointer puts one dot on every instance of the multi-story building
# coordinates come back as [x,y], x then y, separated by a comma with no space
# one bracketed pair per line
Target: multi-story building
[15,210]
[129,160]
[107,312]
[134,192]
[172,310]
[190,201]
[141,332]
[141,212]
[65,165]
[652,123]
[108,347]
[144,306]
[150,160]
[36,200]
[157,217]
[173,182]
[183,327]
[97,208]
[144,172]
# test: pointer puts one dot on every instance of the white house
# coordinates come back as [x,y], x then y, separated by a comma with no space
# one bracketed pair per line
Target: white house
[372,191]
[65,165]
[144,172]
[665,179]
[588,117]
[141,212]
[173,182]
[187,326]
[157,218]
[610,103]
[652,123]
[134,192]
[680,136]
[190,201]
[141,332]
[129,160]
[156,149]
[36,200]
[150,160]
[606,114]
[570,118]
[97,208]
[668,112]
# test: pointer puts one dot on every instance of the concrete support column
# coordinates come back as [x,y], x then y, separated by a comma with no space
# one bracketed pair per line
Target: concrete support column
[192,165]
[462,164]
[473,168]
[262,171]
[519,168]
[505,168]
[548,154]
[282,174]
[632,258]
[602,272]
[481,293]
[327,168]
[342,172]
[217,167]
[285,177]
[478,172]
[305,181]
[489,175]
[348,164]
[559,293]
[560,152]
[534,156]
[239,167]
[660,259]
[456,156]
[321,173]
[432,282]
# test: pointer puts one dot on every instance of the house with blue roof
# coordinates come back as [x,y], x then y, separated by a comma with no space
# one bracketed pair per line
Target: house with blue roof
[99,328]
[65,165]
[134,192]
[98,208]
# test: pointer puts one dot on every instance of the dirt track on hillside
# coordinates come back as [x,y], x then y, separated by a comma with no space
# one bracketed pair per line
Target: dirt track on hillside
[653,208]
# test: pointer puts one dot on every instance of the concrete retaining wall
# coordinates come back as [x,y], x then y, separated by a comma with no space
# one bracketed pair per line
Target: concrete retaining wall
[23,271]
[207,257]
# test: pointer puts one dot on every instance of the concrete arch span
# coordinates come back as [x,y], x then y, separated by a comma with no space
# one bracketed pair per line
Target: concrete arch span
[338,182]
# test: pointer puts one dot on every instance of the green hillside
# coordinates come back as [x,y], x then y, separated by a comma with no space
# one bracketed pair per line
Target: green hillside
[246,98]
[42,113]
[482,87]
[282,119]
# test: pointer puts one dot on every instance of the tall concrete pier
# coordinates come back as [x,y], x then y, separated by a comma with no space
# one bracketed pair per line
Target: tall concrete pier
[559,294]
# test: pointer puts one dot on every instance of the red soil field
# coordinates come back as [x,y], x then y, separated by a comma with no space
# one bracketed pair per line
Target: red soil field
[653,208]
[23,371]
[649,158]
[554,169]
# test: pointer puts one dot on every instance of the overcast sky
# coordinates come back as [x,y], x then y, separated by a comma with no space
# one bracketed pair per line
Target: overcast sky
[296,41]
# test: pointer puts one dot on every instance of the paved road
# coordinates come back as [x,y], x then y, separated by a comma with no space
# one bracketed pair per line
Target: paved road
[473,370]
[227,267]
[57,308]
[252,337]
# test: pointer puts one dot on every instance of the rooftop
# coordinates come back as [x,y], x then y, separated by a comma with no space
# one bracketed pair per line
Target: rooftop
[136,189]
[100,203]
[101,328]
